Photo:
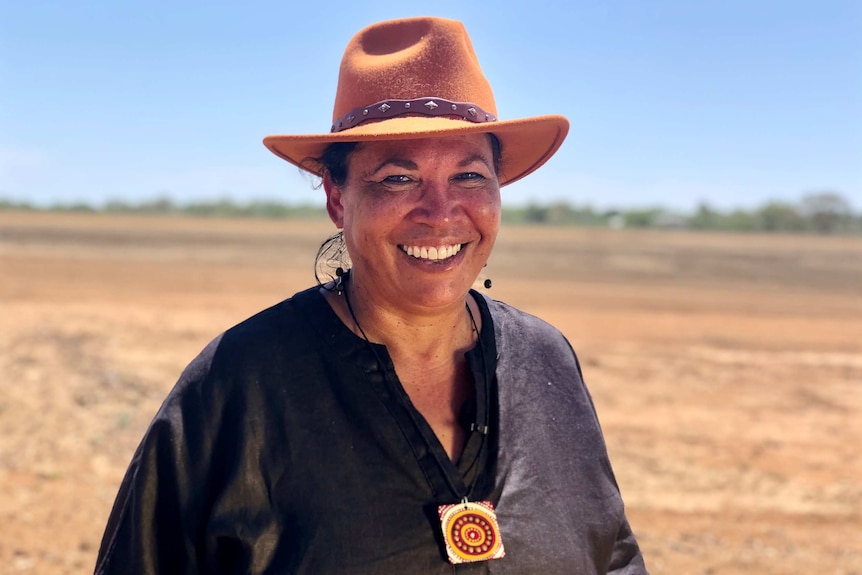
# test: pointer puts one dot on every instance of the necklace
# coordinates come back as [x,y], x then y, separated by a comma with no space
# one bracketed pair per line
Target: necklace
[470,529]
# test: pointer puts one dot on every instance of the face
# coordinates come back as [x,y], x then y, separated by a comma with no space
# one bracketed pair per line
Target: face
[419,216]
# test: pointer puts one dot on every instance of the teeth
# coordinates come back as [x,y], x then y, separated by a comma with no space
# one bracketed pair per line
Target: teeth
[432,253]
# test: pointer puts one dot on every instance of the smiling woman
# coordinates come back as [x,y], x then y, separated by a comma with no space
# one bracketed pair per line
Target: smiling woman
[404,204]
[390,419]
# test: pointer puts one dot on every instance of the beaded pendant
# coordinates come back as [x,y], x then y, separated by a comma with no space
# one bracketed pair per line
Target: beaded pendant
[471,532]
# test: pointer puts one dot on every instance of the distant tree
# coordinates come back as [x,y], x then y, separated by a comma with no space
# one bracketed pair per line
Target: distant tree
[827,212]
[118,206]
[17,206]
[780,217]
[536,214]
[641,218]
[75,207]
[741,221]
[558,213]
[562,214]
[587,216]
[160,205]
[705,218]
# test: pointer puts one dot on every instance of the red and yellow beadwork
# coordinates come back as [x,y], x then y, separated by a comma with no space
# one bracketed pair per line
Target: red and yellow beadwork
[471,532]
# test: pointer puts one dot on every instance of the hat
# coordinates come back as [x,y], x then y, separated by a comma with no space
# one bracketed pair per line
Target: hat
[420,78]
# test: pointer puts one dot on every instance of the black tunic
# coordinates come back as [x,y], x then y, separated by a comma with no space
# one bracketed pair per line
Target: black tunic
[284,448]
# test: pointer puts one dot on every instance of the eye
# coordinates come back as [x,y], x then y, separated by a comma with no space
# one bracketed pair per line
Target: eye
[397,179]
[394,182]
[470,179]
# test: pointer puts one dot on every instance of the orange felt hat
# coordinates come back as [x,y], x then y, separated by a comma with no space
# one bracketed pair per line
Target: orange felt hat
[420,78]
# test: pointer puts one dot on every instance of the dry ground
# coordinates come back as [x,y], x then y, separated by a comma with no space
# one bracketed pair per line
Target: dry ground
[727,371]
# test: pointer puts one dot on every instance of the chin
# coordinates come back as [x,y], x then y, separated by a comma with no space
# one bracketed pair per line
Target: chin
[439,293]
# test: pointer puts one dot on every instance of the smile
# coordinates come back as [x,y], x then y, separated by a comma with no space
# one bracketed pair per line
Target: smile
[433,253]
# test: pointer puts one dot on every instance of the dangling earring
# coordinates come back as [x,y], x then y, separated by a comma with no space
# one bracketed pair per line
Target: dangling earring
[339,282]
[487,282]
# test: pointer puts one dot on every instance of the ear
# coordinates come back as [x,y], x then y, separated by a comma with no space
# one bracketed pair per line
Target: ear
[334,205]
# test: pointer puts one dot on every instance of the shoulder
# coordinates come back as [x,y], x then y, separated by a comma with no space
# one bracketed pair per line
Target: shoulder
[516,329]
[531,349]
[285,324]
[267,343]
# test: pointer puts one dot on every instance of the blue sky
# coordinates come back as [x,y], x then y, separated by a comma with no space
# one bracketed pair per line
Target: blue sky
[671,102]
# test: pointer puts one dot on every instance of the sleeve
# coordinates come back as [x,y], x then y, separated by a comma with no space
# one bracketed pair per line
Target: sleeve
[158,519]
[626,558]
[551,442]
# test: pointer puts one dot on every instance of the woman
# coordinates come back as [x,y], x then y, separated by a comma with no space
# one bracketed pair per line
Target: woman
[392,420]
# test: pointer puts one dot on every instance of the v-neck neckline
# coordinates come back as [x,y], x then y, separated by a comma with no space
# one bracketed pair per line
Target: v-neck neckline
[461,477]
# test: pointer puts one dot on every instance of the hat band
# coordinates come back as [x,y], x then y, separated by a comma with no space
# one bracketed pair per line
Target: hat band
[421,106]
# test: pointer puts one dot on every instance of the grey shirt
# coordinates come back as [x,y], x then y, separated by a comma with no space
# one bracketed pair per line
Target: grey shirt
[289,446]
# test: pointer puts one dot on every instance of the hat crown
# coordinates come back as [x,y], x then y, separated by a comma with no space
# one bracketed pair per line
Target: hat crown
[408,59]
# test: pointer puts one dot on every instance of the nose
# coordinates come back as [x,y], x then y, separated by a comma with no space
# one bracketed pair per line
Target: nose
[438,204]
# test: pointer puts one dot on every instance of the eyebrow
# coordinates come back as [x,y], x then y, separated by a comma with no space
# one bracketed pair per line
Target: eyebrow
[396,161]
[410,165]
[474,158]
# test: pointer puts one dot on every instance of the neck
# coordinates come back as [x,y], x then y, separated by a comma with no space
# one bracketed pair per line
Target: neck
[428,352]
[408,331]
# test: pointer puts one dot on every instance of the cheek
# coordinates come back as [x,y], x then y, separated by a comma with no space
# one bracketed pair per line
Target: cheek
[489,212]
[368,220]
[369,214]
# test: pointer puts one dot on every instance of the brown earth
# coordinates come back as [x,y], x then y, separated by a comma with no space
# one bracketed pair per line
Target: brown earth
[727,372]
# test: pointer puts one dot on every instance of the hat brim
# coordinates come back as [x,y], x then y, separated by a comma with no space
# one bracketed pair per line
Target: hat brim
[526,143]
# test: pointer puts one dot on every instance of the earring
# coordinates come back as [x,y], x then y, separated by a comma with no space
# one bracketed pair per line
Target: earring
[487,284]
[339,281]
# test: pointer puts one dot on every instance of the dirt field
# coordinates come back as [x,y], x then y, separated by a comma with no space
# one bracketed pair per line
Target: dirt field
[727,371]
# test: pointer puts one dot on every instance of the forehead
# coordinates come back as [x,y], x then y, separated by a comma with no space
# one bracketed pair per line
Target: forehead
[425,150]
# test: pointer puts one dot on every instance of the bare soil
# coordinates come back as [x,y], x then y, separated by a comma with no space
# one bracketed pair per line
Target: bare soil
[726,369]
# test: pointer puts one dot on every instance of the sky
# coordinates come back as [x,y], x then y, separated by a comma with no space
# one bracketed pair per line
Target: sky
[671,102]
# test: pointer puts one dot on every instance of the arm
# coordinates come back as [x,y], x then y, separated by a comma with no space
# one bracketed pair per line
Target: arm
[149,531]
[157,522]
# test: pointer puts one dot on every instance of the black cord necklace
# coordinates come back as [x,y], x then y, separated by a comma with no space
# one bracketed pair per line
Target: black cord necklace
[483,403]
[470,529]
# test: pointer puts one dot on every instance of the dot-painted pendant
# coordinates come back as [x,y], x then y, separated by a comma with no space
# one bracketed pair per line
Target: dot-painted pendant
[471,532]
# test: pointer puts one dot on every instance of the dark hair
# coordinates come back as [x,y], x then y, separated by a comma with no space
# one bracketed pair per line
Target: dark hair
[496,152]
[336,155]
[334,160]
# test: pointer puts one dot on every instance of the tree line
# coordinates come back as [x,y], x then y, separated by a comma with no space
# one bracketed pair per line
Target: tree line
[821,212]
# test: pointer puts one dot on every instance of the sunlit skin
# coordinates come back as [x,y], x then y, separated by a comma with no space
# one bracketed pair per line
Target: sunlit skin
[429,193]
[425,193]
